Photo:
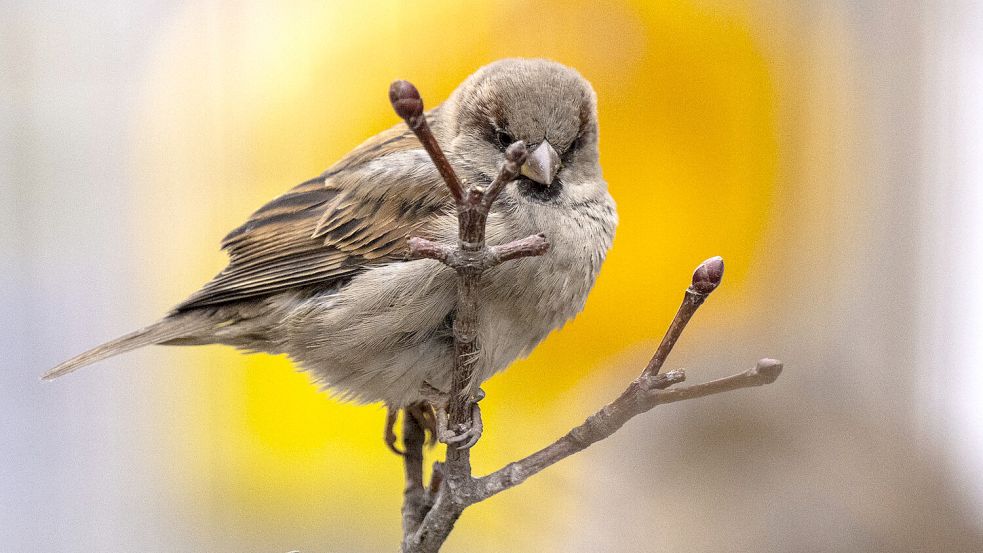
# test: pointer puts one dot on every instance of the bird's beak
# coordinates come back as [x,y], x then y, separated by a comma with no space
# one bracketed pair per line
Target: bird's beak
[542,164]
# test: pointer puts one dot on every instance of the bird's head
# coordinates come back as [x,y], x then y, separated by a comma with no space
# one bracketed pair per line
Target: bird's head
[543,103]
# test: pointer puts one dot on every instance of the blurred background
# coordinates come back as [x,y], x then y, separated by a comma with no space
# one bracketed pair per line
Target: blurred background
[831,152]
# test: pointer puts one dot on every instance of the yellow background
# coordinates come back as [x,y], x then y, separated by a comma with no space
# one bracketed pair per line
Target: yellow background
[245,102]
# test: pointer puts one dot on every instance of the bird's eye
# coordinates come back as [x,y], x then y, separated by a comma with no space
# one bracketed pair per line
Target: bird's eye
[577,143]
[504,138]
[572,148]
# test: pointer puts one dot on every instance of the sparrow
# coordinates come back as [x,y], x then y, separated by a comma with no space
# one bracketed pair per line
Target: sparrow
[321,273]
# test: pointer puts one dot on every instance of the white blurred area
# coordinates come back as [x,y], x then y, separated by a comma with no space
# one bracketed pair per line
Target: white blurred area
[870,278]
[952,246]
[77,470]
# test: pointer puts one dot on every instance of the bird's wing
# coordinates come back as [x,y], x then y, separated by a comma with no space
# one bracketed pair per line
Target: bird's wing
[356,214]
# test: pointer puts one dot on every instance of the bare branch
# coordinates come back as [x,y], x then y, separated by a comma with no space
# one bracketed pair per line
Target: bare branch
[482,260]
[414,438]
[706,278]
[529,246]
[515,156]
[429,513]
[421,248]
[409,106]
[470,258]
[613,416]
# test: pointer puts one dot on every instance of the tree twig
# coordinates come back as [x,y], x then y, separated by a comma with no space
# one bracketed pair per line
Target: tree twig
[408,105]
[638,399]
[429,513]
[414,496]
[706,278]
[470,258]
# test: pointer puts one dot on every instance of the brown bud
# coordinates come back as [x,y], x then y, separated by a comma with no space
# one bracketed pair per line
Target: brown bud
[769,368]
[707,276]
[516,152]
[405,99]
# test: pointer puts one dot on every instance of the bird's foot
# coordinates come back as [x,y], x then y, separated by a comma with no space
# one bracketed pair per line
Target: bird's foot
[425,417]
[462,436]
[389,434]
[421,412]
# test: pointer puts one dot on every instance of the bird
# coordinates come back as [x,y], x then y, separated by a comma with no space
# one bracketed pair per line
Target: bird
[322,275]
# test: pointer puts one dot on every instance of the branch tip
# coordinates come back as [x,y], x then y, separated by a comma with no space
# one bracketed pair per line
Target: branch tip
[421,248]
[430,510]
[515,156]
[406,100]
[516,152]
[669,378]
[530,246]
[769,369]
[708,275]
[661,381]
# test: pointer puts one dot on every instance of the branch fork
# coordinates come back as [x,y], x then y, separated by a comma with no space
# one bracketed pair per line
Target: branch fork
[430,511]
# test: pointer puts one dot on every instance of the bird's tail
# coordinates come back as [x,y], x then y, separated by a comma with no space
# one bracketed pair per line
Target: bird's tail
[164,330]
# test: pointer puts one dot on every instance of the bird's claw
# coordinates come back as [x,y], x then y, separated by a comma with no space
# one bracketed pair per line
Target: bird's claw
[389,434]
[466,438]
[463,436]
[421,412]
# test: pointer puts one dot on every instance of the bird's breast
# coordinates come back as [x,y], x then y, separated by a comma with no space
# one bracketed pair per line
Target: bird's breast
[524,300]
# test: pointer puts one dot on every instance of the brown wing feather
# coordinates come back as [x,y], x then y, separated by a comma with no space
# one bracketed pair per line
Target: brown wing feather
[329,228]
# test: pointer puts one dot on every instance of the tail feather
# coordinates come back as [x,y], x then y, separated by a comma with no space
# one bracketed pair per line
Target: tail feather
[166,329]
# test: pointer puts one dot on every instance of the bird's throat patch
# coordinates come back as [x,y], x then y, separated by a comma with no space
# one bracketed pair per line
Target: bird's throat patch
[537,192]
